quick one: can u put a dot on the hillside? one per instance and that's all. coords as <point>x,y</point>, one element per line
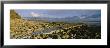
<point>20,27</point>
<point>14,15</point>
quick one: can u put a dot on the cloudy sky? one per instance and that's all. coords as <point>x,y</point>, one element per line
<point>59,13</point>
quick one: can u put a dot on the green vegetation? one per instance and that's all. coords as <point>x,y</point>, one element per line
<point>25,29</point>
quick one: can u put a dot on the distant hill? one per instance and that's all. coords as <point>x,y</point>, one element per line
<point>14,15</point>
<point>74,19</point>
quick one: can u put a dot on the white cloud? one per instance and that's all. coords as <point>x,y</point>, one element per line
<point>35,14</point>
<point>41,15</point>
<point>81,17</point>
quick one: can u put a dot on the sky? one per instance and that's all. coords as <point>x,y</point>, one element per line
<point>59,13</point>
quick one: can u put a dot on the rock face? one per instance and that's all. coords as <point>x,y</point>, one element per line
<point>14,15</point>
